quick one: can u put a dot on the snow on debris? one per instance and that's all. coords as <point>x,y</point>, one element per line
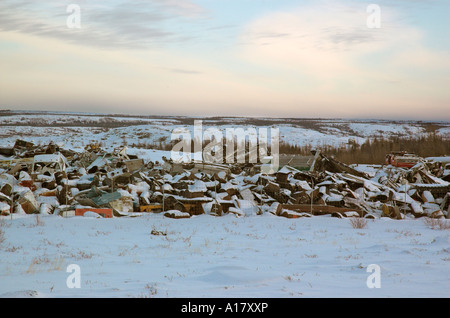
<point>229,230</point>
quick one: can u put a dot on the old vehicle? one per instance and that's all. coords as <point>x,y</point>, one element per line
<point>50,163</point>
<point>402,159</point>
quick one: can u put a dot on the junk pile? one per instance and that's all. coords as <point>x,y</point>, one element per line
<point>51,180</point>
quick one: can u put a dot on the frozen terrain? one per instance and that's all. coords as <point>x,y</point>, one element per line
<point>207,256</point>
<point>74,130</point>
<point>152,256</point>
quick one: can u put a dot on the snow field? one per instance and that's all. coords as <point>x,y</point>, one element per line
<point>205,256</point>
<point>335,132</point>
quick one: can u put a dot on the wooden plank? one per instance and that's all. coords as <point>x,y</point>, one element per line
<point>106,213</point>
<point>317,209</point>
<point>150,208</point>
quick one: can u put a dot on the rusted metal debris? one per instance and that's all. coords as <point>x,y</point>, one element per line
<point>51,180</point>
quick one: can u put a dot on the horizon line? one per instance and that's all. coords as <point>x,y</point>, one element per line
<point>84,113</point>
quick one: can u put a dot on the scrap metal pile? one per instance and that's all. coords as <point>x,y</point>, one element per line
<point>51,180</point>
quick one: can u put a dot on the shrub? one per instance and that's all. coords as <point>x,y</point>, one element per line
<point>441,224</point>
<point>358,223</point>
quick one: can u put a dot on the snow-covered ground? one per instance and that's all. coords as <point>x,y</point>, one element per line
<point>62,129</point>
<point>207,256</point>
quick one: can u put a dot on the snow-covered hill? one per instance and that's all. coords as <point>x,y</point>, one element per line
<point>75,130</point>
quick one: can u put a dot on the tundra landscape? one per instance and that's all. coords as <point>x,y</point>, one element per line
<point>257,246</point>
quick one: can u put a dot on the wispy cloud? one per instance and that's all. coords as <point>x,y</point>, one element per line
<point>330,55</point>
<point>299,58</point>
<point>130,24</point>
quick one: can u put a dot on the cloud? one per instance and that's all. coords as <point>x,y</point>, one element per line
<point>311,33</point>
<point>60,75</point>
<point>318,59</point>
<point>331,59</point>
<point>131,24</point>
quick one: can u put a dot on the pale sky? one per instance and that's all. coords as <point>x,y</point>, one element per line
<point>260,58</point>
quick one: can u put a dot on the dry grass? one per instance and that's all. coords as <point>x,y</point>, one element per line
<point>38,221</point>
<point>2,235</point>
<point>358,223</point>
<point>441,224</point>
<point>3,225</point>
<point>151,291</point>
<point>43,263</point>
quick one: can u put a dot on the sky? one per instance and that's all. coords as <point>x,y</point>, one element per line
<point>257,58</point>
